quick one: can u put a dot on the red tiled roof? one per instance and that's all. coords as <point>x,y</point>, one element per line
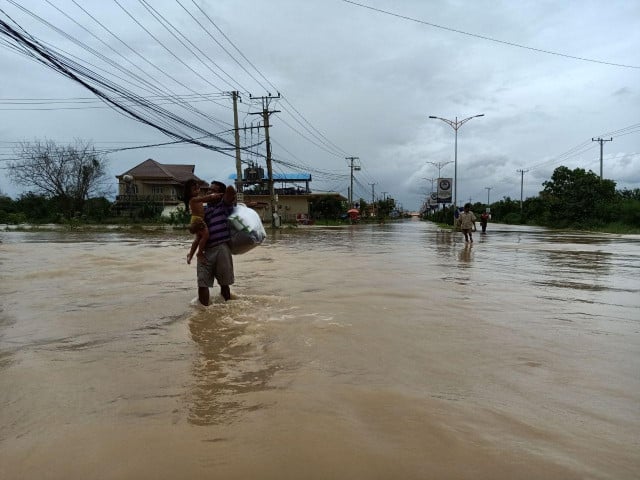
<point>150,169</point>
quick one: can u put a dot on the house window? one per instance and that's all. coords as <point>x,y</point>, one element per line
<point>131,189</point>
<point>156,190</point>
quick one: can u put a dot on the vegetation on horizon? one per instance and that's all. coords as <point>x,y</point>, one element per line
<point>571,199</point>
<point>68,186</point>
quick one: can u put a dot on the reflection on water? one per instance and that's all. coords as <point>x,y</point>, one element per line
<point>230,363</point>
<point>577,261</point>
<point>465,255</point>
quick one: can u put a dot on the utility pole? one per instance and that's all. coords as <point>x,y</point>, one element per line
<point>265,118</point>
<point>373,197</point>
<point>236,129</point>
<point>356,168</point>
<point>522,172</point>
<point>384,194</point>
<point>601,141</point>
<point>488,189</point>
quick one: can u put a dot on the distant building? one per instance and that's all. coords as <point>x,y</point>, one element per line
<point>291,190</point>
<point>152,183</point>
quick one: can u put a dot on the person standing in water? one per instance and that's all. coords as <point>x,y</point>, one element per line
<point>217,263</point>
<point>484,218</point>
<point>467,223</point>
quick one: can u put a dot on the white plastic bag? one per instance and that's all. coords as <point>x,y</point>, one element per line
<point>247,230</point>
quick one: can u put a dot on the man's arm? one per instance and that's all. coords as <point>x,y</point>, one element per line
<point>229,196</point>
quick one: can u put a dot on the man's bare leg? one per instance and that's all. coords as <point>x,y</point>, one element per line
<point>203,295</point>
<point>225,291</point>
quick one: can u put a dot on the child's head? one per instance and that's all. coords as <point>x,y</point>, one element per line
<point>191,188</point>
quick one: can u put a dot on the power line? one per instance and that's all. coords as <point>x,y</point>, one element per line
<point>483,37</point>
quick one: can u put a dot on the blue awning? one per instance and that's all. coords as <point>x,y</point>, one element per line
<point>283,177</point>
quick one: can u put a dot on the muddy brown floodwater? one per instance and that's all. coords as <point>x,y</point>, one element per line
<point>371,351</point>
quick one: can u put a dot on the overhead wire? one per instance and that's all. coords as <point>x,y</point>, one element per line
<point>88,79</point>
<point>153,115</point>
<point>140,82</point>
<point>304,122</point>
<point>484,37</point>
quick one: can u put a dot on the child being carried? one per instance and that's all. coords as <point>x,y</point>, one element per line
<point>194,203</point>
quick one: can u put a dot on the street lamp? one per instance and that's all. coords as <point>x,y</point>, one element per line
<point>456,124</point>
<point>431,192</point>
<point>439,165</point>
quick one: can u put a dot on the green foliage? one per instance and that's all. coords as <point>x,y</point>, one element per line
<point>327,207</point>
<point>97,209</point>
<point>628,212</point>
<point>570,199</point>
<point>578,199</point>
<point>36,208</point>
<point>179,217</point>
<point>384,208</point>
<point>444,216</point>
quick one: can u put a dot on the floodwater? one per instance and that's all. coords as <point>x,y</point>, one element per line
<point>363,352</point>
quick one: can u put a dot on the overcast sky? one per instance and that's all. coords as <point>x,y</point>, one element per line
<point>356,79</point>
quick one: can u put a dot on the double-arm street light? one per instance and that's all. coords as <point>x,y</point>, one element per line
<point>439,165</point>
<point>430,180</point>
<point>456,124</point>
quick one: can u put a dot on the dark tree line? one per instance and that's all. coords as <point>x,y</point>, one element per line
<point>575,199</point>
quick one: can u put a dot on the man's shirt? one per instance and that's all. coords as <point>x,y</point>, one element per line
<point>216,216</point>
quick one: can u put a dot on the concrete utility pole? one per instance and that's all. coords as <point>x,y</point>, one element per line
<point>373,197</point>
<point>522,172</point>
<point>384,194</point>
<point>265,118</point>
<point>356,168</point>
<point>236,129</point>
<point>601,141</point>
<point>488,189</point>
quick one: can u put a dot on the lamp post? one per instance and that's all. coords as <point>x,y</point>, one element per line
<point>439,165</point>
<point>456,124</point>
<point>130,188</point>
<point>431,192</point>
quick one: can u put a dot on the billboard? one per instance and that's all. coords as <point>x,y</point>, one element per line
<point>444,190</point>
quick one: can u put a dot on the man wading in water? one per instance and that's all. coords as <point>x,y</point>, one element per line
<point>217,263</point>
<point>467,222</point>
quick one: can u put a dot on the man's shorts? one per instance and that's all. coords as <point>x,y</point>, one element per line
<point>219,266</point>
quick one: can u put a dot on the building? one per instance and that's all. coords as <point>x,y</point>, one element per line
<point>152,184</point>
<point>293,195</point>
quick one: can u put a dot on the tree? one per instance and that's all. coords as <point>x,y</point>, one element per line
<point>70,174</point>
<point>578,198</point>
<point>326,207</point>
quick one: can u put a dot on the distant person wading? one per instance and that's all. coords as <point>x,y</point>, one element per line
<point>467,223</point>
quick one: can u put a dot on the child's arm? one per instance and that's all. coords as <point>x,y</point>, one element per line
<point>192,250</point>
<point>206,198</point>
